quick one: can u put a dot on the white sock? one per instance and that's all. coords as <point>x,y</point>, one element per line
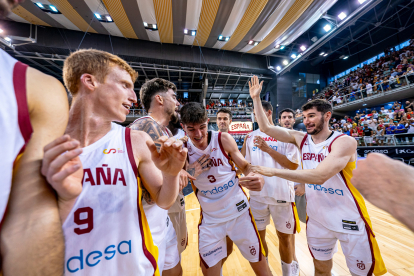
<point>295,268</point>
<point>286,269</point>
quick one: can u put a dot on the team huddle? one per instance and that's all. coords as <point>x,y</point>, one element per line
<point>119,189</point>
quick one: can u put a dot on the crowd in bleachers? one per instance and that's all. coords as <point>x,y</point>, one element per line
<point>394,69</point>
<point>217,104</point>
<point>370,126</point>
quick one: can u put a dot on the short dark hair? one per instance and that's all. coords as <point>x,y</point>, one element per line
<point>320,104</point>
<point>152,87</point>
<point>225,110</point>
<point>267,106</point>
<point>193,113</point>
<point>287,110</point>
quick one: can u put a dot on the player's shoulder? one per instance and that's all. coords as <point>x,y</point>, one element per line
<point>139,137</point>
<point>344,141</point>
<point>146,124</point>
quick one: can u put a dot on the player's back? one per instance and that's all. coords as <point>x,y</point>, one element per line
<point>14,120</point>
<point>106,232</point>
<point>218,191</point>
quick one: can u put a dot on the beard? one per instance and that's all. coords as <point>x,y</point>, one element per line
<point>318,127</point>
<point>174,118</point>
<point>5,7</point>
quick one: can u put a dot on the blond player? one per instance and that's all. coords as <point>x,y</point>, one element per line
<point>33,112</point>
<point>104,223</point>
<point>224,206</point>
<point>277,199</point>
<point>335,209</point>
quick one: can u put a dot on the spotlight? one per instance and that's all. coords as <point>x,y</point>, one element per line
<point>40,5</point>
<point>278,68</point>
<point>346,57</point>
<point>185,31</point>
<point>145,24</point>
<point>1,31</point>
<point>7,38</point>
<point>277,46</point>
<point>220,37</point>
<point>53,8</point>
<point>303,48</point>
<point>154,26</point>
<point>285,62</point>
<point>97,15</point>
<point>364,104</point>
<point>293,56</point>
<point>327,28</point>
<point>255,44</point>
<point>227,38</point>
<point>321,54</point>
<point>108,18</point>
<point>193,33</point>
<point>361,1</point>
<point>325,55</point>
<point>342,15</point>
<point>251,42</point>
<point>282,47</point>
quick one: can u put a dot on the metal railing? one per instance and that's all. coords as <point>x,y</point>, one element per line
<point>137,113</point>
<point>237,111</point>
<point>401,139</point>
<point>377,89</point>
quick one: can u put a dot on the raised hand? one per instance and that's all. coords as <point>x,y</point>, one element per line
<point>171,157</point>
<point>255,87</point>
<point>252,181</point>
<point>62,167</point>
<point>263,170</point>
<point>261,143</point>
<point>198,167</point>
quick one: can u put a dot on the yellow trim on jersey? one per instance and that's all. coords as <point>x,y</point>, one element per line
<point>379,268</point>
<point>257,232</point>
<point>149,243</point>
<point>295,213</point>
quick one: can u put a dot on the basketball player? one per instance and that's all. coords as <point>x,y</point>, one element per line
<point>335,209</point>
<point>159,99</point>
<point>224,206</point>
<point>33,112</point>
<point>277,197</point>
<point>224,119</point>
<point>105,227</point>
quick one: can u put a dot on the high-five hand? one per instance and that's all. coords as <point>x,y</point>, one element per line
<point>252,181</point>
<point>199,166</point>
<point>255,87</point>
<point>171,158</point>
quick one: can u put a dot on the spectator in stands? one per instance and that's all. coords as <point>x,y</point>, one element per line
<point>368,133</point>
<point>408,105</point>
<point>411,126</point>
<point>399,115</point>
<point>224,117</point>
<point>409,113</point>
<point>399,128</point>
<point>379,135</point>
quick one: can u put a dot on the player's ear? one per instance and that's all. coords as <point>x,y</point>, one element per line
<point>89,81</point>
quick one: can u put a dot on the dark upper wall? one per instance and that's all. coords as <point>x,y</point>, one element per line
<point>161,53</point>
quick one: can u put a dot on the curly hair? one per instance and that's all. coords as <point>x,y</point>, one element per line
<point>151,88</point>
<point>94,62</point>
<point>193,113</point>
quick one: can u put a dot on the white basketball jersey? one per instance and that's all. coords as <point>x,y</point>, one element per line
<point>179,203</point>
<point>218,191</point>
<point>15,126</point>
<point>276,190</point>
<point>106,231</point>
<point>335,204</point>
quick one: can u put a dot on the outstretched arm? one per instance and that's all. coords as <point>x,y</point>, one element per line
<point>32,229</point>
<point>282,159</point>
<point>342,151</point>
<point>279,133</point>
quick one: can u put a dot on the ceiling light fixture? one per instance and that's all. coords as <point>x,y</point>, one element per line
<point>185,31</point>
<point>40,5</point>
<point>220,37</point>
<point>193,33</point>
<point>303,48</point>
<point>325,55</point>
<point>285,62</point>
<point>7,38</point>
<point>342,15</point>
<point>1,31</point>
<point>154,26</point>
<point>255,44</point>
<point>282,47</point>
<point>346,57</point>
<point>108,18</point>
<point>251,42</point>
<point>321,54</point>
<point>53,8</point>
<point>293,56</point>
<point>327,28</point>
<point>278,68</point>
<point>227,38</point>
<point>361,1</point>
<point>145,24</point>
<point>97,15</point>
<point>277,46</point>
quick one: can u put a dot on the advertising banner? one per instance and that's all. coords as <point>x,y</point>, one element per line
<point>240,127</point>
<point>405,152</point>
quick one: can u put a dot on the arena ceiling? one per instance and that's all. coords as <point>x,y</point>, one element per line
<point>247,26</point>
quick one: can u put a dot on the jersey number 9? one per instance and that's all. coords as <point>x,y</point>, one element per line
<point>81,221</point>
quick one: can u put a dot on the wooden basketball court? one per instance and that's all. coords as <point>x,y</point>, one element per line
<point>396,243</point>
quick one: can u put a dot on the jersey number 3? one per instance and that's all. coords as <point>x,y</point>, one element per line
<point>82,221</point>
<point>211,178</point>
